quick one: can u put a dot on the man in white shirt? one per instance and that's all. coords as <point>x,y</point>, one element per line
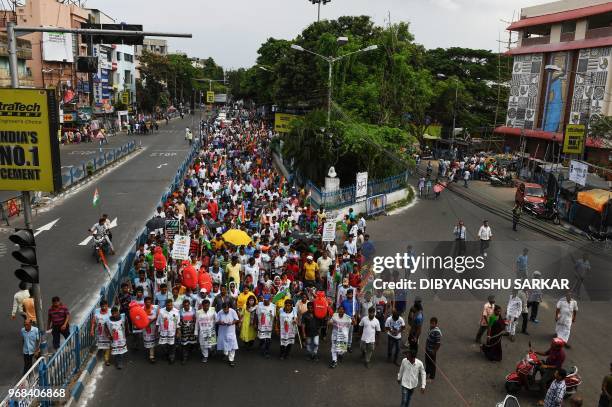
<point>350,245</point>
<point>485,235</point>
<point>369,334</point>
<point>18,298</point>
<point>394,325</point>
<point>466,177</point>
<point>408,376</point>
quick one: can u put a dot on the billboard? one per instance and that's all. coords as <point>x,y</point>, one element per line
<point>556,92</point>
<point>282,122</point>
<point>57,47</point>
<point>573,143</point>
<point>210,97</point>
<point>361,186</point>
<point>29,148</point>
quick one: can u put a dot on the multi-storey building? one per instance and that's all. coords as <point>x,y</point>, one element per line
<point>560,75</point>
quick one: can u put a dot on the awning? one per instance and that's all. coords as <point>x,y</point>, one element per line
<point>561,16</point>
<point>548,135</point>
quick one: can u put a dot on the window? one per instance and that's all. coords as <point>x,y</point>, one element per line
<point>128,57</point>
<point>118,56</point>
<point>600,21</point>
<point>568,27</point>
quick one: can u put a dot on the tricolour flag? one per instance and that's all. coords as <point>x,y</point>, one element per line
<point>96,197</point>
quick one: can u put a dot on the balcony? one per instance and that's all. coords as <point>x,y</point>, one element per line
<point>599,33</point>
<point>541,40</point>
<point>25,81</point>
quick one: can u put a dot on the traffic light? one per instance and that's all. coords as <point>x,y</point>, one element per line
<point>26,255</point>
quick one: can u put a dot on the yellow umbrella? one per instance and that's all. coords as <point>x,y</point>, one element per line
<point>237,237</point>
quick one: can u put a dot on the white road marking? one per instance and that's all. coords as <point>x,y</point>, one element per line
<point>46,227</point>
<point>159,166</point>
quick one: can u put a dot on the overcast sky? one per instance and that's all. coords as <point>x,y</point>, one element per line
<point>231,31</point>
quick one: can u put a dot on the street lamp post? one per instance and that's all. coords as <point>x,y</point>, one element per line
<point>318,2</point>
<point>330,61</point>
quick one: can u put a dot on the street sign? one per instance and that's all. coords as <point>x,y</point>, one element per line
<point>282,122</point>
<point>361,188</point>
<point>29,148</point>
<point>573,143</point>
<point>578,172</point>
<point>210,97</point>
<point>125,98</point>
<point>180,247</point>
<point>329,232</point>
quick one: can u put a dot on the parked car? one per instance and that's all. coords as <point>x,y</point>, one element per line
<point>529,192</point>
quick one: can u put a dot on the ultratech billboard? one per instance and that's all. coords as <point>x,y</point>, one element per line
<point>29,148</point>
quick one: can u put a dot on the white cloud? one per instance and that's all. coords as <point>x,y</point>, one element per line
<point>446,4</point>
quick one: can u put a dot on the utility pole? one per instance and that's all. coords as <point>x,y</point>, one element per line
<point>25,195</point>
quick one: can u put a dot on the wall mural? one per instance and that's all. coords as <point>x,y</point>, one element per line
<point>590,84</point>
<point>556,92</point>
<point>524,90</point>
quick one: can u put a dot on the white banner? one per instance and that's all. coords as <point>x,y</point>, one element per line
<point>57,47</point>
<point>329,232</point>
<point>578,172</point>
<point>180,247</point>
<point>361,188</point>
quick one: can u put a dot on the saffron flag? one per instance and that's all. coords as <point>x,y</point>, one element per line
<point>96,197</point>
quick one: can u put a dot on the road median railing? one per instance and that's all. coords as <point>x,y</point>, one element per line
<point>60,368</point>
<point>71,175</point>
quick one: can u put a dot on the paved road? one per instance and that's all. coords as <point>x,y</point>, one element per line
<point>465,376</point>
<point>130,193</point>
<point>75,154</point>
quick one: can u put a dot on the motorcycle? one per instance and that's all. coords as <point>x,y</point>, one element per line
<point>525,376</point>
<point>100,247</point>
<point>499,181</point>
<point>541,211</point>
<point>603,235</point>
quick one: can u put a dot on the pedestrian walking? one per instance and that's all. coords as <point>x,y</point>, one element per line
<point>415,322</point>
<point>534,298</point>
<point>116,329</point>
<point>522,295</point>
<point>521,264</point>
<point>605,399</point>
<point>265,323</point>
<point>487,311</point>
<point>98,330</point>
<point>565,316</point>
<point>369,335</point>
<point>341,324</point>
<point>582,267</point>
<point>206,318</point>
<point>29,308</point>
<point>227,319</point>
<point>187,329</point>
<point>310,327</point>
<point>394,326</point>
<point>466,177</point>
<point>513,312</point>
<point>556,391</point>
<point>58,321</point>
<point>516,216</point>
<point>434,340</point>
<point>287,325</point>
<point>31,344</point>
<point>18,298</point>
<point>410,373</point>
<point>460,233</point>
<point>421,186</point>
<point>485,234</point>
<point>168,329</point>
<point>496,329</point>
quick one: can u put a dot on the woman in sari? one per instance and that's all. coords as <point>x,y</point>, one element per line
<point>497,328</point>
<point>248,329</point>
